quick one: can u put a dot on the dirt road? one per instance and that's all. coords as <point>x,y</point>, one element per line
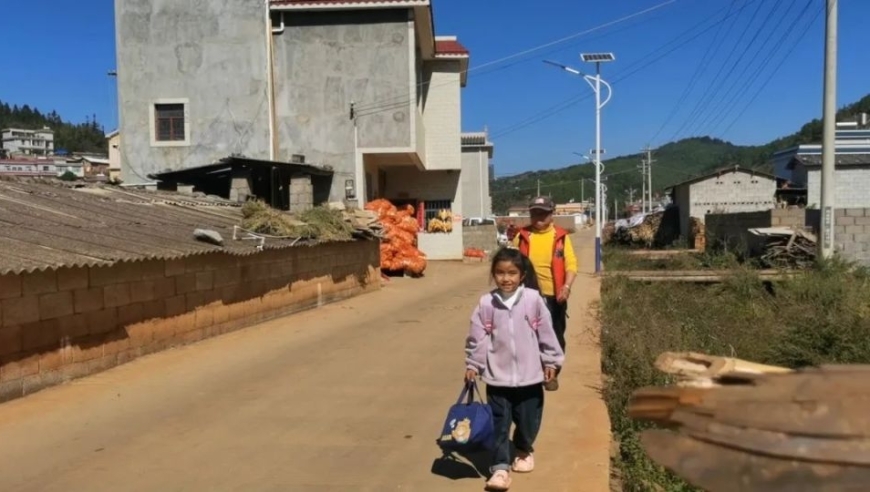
<point>350,395</point>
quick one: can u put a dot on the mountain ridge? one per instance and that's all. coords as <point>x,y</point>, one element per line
<point>673,162</point>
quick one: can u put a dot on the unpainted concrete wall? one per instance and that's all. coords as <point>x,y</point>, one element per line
<point>324,61</point>
<point>481,237</point>
<point>59,325</point>
<point>211,54</point>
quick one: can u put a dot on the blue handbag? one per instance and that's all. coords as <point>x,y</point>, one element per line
<point>469,425</point>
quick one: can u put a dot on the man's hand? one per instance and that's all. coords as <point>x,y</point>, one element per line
<point>549,374</point>
<point>564,293</point>
<point>470,375</point>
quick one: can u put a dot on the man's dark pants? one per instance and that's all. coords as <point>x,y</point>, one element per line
<point>559,313</point>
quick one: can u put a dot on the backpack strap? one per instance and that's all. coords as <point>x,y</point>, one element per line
<point>487,312</point>
<point>535,321</point>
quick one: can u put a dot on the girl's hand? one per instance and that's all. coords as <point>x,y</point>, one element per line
<point>549,374</point>
<point>470,375</point>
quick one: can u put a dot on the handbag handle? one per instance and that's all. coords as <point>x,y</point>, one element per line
<point>468,391</point>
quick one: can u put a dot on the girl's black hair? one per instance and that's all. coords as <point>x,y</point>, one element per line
<point>519,260</point>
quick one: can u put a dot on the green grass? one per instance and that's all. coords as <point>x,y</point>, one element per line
<point>821,317</point>
<point>618,258</point>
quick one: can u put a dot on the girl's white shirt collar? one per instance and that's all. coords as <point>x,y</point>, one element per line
<point>510,300</point>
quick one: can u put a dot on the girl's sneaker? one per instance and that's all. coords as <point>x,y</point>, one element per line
<point>524,463</point>
<point>500,481</point>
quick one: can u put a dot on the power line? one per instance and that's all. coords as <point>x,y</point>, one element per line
<point>566,104</point>
<point>775,70</point>
<point>699,70</point>
<point>371,105</point>
<point>704,101</point>
<point>717,109</point>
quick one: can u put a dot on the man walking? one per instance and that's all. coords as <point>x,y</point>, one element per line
<point>550,251</point>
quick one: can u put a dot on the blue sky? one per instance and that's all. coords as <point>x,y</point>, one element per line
<point>63,66</point>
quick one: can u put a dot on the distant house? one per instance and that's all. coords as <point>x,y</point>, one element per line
<point>723,191</point>
<point>16,141</point>
<point>802,166</point>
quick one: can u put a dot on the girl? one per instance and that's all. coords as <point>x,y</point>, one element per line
<point>514,349</point>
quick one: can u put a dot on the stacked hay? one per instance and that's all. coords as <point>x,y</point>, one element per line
<point>319,223</point>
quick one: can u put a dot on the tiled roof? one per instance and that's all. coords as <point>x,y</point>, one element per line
<point>815,160</point>
<point>450,47</point>
<point>48,226</point>
<point>475,139</point>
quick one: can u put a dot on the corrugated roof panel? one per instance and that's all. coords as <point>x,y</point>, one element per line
<point>51,226</point>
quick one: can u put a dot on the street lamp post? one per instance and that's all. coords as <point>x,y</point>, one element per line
<point>595,82</point>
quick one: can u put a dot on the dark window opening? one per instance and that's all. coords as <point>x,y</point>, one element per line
<point>169,121</point>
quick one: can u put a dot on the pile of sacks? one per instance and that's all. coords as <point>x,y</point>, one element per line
<point>399,245</point>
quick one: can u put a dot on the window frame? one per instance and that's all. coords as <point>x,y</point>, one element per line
<point>185,103</point>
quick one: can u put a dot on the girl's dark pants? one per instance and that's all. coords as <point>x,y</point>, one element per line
<point>522,406</point>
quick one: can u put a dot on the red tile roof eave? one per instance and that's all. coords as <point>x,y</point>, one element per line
<point>450,47</point>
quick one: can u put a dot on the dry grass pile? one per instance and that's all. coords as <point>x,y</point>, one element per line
<point>320,223</point>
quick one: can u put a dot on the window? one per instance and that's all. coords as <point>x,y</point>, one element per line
<point>432,208</point>
<point>169,122</point>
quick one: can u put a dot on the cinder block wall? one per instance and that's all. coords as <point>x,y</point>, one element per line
<point>731,231</point>
<point>59,325</point>
<point>851,229</point>
<point>852,234</point>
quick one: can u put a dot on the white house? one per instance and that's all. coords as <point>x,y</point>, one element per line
<point>16,141</point>
<point>802,165</point>
<point>728,190</point>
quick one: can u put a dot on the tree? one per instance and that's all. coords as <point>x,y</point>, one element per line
<point>68,176</point>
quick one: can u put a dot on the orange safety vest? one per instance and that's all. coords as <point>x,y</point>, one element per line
<point>558,262</point>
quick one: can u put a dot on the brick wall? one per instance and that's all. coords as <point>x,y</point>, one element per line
<point>482,237</point>
<point>65,324</point>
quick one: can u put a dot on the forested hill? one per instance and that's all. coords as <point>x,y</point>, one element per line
<point>674,162</point>
<point>81,137</point>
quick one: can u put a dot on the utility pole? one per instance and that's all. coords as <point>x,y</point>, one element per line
<point>648,179</point>
<point>582,191</point>
<point>539,188</point>
<point>631,195</point>
<point>643,185</point>
<point>829,125</point>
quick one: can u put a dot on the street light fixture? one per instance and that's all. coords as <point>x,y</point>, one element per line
<point>595,82</point>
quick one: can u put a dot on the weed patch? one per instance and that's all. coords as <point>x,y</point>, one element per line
<point>821,317</point>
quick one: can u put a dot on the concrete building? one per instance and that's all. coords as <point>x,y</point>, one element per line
<point>802,166</point>
<point>114,141</point>
<point>724,191</point>
<point>477,153</point>
<point>16,141</point>
<point>363,87</point>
